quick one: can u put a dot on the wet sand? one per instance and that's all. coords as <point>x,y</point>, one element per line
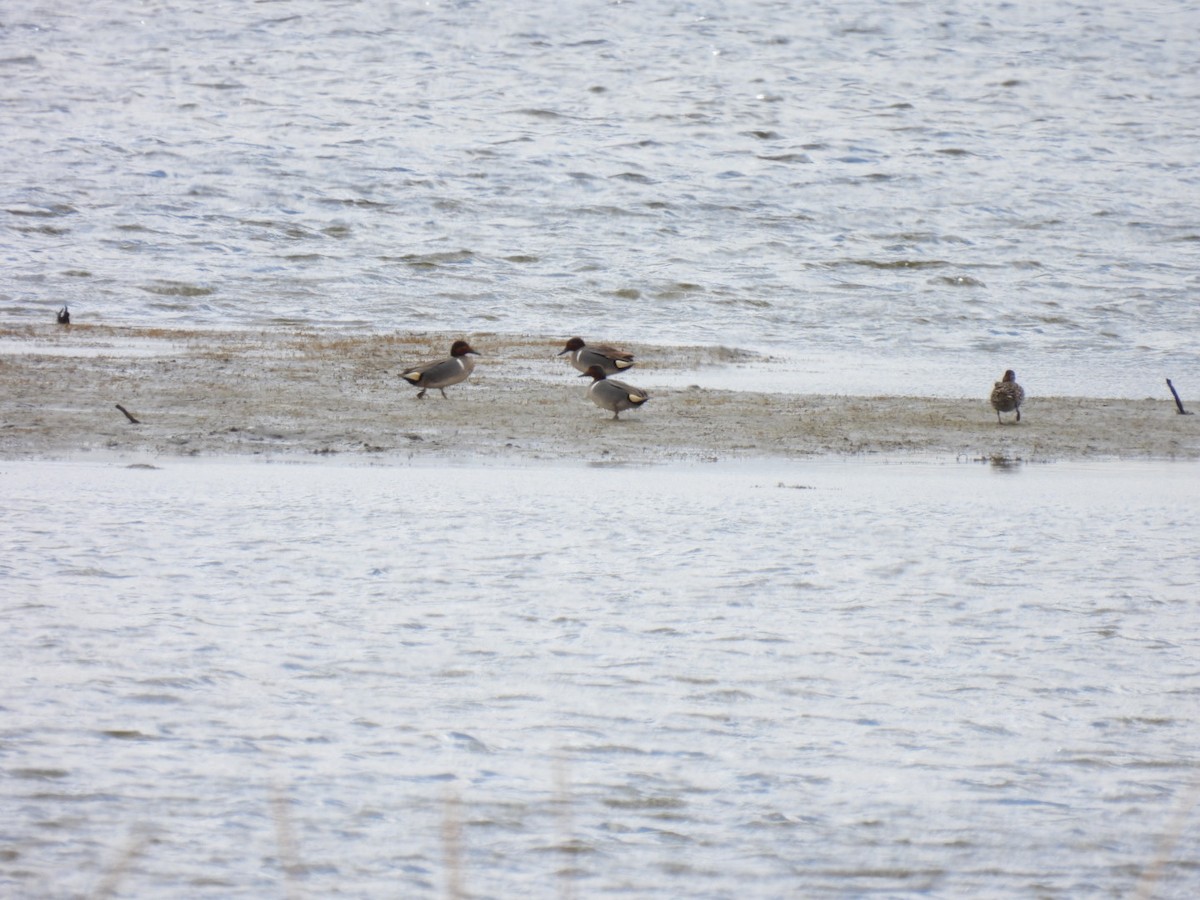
<point>299,394</point>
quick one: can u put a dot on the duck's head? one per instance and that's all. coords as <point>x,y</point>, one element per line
<point>573,344</point>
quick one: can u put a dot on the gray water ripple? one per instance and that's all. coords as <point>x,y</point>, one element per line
<point>967,127</point>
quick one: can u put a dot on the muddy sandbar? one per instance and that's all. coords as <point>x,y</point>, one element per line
<point>223,393</point>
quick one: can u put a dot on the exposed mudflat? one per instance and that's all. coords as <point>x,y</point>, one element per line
<point>293,393</point>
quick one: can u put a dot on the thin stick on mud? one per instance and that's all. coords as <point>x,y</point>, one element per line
<point>130,417</point>
<point>1178,402</point>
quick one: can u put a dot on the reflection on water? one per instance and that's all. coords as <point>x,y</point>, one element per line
<point>751,680</point>
<point>1001,463</point>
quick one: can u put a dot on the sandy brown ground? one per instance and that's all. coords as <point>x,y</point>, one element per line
<point>209,394</point>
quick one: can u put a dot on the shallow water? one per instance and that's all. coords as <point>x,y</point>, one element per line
<point>755,680</point>
<point>888,198</point>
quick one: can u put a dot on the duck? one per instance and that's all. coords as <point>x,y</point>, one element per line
<point>64,316</point>
<point>442,373</point>
<point>613,395</point>
<point>1007,396</point>
<point>584,357</point>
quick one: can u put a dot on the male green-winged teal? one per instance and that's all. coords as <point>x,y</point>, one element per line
<point>442,373</point>
<point>584,357</point>
<point>614,395</point>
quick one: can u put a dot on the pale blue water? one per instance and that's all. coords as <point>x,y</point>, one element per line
<point>884,197</point>
<point>728,680</point>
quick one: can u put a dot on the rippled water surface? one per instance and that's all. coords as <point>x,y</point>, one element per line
<point>941,191</point>
<point>729,680</point>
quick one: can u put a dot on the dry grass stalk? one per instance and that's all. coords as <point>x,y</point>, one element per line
<point>111,882</point>
<point>1153,873</point>
<point>452,846</point>
<point>285,841</point>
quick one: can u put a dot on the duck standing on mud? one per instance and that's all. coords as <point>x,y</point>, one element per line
<point>1007,396</point>
<point>613,395</point>
<point>442,373</point>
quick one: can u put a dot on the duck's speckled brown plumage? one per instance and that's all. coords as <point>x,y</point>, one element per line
<point>1007,395</point>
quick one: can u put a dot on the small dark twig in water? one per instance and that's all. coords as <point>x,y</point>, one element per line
<point>1178,402</point>
<point>128,414</point>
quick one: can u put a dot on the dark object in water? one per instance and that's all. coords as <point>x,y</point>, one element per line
<point>64,316</point>
<point>1178,402</point>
